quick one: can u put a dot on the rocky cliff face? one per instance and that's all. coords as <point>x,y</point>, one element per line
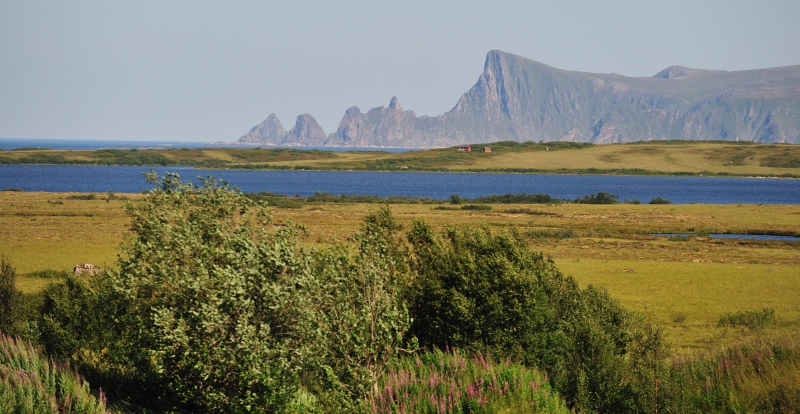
<point>518,99</point>
<point>306,131</point>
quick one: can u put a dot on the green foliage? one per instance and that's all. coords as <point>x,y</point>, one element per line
<point>88,196</point>
<point>436,382</point>
<point>32,383</point>
<point>659,200</point>
<point>476,207</point>
<point>10,299</point>
<point>67,322</point>
<point>212,305</point>
<point>521,198</point>
<point>455,199</point>
<point>482,291</point>
<point>131,157</point>
<point>49,274</point>
<point>753,319</point>
<point>599,198</point>
<point>361,311</point>
<point>319,197</point>
<point>13,189</point>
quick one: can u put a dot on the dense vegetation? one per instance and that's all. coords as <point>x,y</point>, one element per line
<point>213,307</point>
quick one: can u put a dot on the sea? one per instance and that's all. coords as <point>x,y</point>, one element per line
<point>8,144</point>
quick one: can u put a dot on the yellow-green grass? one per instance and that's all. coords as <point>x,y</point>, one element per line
<point>702,278</point>
<point>747,159</point>
<point>698,292</point>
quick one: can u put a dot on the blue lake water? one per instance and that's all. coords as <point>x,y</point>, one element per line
<point>679,190</point>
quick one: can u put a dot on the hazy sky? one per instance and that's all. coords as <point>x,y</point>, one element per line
<point>209,71</point>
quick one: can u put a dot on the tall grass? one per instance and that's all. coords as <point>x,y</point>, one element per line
<point>448,382</point>
<point>757,376</point>
<point>32,383</point>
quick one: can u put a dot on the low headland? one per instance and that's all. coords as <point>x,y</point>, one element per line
<point>683,158</point>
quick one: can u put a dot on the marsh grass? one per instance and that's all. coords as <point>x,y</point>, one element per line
<point>754,376</point>
<point>449,382</point>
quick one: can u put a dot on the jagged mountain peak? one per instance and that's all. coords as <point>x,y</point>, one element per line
<point>519,99</point>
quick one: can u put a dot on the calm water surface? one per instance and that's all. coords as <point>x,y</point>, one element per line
<point>680,190</point>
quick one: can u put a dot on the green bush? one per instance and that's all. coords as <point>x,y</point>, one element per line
<point>753,319</point>
<point>67,321</point>
<point>50,274</point>
<point>10,299</point>
<point>477,290</point>
<point>659,200</point>
<point>213,306</point>
<point>33,383</point>
<point>361,311</point>
<point>599,198</point>
<point>476,207</point>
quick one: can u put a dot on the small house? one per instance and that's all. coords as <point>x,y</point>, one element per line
<point>464,148</point>
<point>487,149</point>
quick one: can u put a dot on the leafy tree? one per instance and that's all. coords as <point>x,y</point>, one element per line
<point>10,298</point>
<point>362,310</point>
<point>211,302</point>
<point>67,321</point>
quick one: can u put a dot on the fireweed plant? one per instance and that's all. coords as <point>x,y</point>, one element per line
<point>449,382</point>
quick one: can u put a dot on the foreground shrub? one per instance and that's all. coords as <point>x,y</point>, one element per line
<point>32,383</point>
<point>477,290</point>
<point>212,306</point>
<point>438,382</point>
<point>360,309</point>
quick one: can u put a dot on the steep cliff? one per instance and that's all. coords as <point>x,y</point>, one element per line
<point>518,99</point>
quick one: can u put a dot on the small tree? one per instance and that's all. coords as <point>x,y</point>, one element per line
<point>213,303</point>
<point>10,298</point>
<point>361,310</point>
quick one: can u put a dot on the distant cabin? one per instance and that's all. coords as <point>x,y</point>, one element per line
<point>464,148</point>
<point>487,149</point>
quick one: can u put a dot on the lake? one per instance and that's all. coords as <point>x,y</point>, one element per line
<point>680,190</point>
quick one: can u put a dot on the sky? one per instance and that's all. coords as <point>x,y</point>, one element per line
<point>209,71</point>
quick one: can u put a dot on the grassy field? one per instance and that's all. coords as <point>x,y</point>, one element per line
<point>686,283</point>
<point>654,157</point>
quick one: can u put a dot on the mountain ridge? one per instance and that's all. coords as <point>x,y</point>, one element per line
<point>519,99</point>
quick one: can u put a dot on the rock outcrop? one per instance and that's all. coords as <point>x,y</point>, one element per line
<point>518,99</point>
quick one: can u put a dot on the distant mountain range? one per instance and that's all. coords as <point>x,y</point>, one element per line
<point>518,99</point>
